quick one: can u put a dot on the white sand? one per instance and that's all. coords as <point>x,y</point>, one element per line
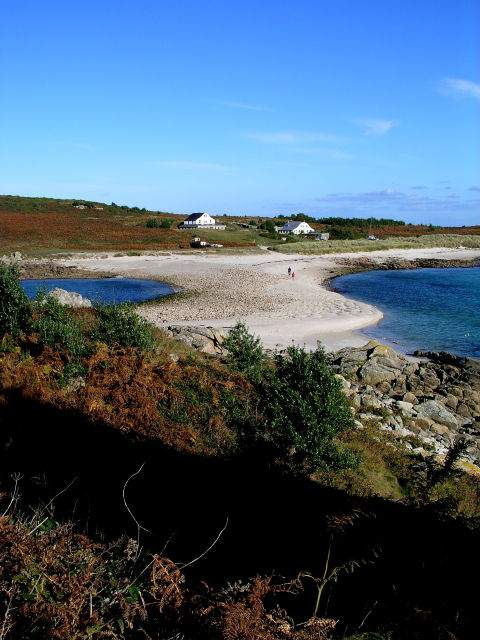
<point>255,288</point>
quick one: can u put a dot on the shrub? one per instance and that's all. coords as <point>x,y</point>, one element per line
<point>56,327</point>
<point>15,308</point>
<point>293,238</point>
<point>152,224</point>
<point>121,325</point>
<point>305,409</point>
<point>344,233</point>
<point>245,353</point>
<point>166,223</point>
<point>268,225</point>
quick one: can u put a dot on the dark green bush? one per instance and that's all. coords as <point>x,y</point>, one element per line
<point>344,233</point>
<point>121,325</point>
<point>245,353</point>
<point>305,409</point>
<point>268,225</point>
<point>152,224</point>
<point>15,308</point>
<point>293,238</point>
<point>166,223</point>
<point>57,327</point>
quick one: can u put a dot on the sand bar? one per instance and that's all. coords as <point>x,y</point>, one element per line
<point>255,287</point>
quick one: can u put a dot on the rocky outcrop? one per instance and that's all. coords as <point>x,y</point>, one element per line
<point>436,401</point>
<point>204,339</point>
<point>40,270</point>
<point>402,263</point>
<point>69,298</point>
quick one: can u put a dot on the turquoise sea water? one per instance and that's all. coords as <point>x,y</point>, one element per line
<point>431,309</point>
<point>109,290</point>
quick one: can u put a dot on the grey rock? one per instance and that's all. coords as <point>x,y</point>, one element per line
<point>204,339</point>
<point>375,372</point>
<point>410,397</point>
<point>371,402</point>
<point>437,412</point>
<point>401,404</point>
<point>68,298</point>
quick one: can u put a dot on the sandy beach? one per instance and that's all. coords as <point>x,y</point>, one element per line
<point>256,288</point>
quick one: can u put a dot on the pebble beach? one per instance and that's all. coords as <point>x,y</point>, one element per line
<point>255,288</point>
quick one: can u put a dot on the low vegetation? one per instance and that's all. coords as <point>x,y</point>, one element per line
<point>350,246</point>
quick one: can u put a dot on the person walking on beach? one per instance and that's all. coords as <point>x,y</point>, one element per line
<point>289,271</point>
<point>293,275</point>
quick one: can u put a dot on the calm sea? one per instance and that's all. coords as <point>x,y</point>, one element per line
<point>430,309</point>
<point>109,290</point>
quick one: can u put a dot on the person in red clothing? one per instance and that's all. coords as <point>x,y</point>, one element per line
<point>293,275</point>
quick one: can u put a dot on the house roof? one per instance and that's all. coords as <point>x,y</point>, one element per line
<point>195,216</point>
<point>290,226</point>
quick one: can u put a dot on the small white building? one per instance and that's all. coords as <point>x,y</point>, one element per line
<point>200,221</point>
<point>296,228</point>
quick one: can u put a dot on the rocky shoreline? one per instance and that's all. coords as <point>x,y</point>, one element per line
<point>433,403</point>
<point>403,263</point>
<point>47,270</point>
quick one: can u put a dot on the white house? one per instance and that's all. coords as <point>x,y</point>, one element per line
<point>200,221</point>
<point>296,228</point>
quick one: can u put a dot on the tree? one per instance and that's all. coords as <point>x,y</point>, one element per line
<point>305,409</point>
<point>268,225</point>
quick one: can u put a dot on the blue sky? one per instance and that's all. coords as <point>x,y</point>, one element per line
<point>327,107</point>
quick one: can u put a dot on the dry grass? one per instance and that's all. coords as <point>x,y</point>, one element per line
<point>352,246</point>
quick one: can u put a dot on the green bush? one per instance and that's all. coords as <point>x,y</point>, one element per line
<point>245,353</point>
<point>166,223</point>
<point>152,224</point>
<point>268,225</point>
<point>345,233</point>
<point>119,324</point>
<point>57,328</point>
<point>305,409</point>
<point>293,238</point>
<point>15,308</point>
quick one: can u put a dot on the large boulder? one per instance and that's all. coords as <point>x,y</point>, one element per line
<point>437,412</point>
<point>204,339</point>
<point>378,369</point>
<point>69,298</point>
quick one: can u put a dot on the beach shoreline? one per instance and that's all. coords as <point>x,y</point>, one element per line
<point>256,288</point>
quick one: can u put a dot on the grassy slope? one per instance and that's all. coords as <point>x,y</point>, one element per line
<point>44,226</point>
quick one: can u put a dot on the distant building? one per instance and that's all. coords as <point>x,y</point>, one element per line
<point>322,236</point>
<point>200,221</point>
<point>296,228</point>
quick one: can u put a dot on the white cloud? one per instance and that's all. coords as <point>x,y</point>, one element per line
<point>476,188</point>
<point>180,164</point>
<point>457,87</point>
<point>375,127</point>
<point>453,195</point>
<point>420,186</point>
<point>241,105</point>
<point>385,192</point>
<point>294,138</point>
